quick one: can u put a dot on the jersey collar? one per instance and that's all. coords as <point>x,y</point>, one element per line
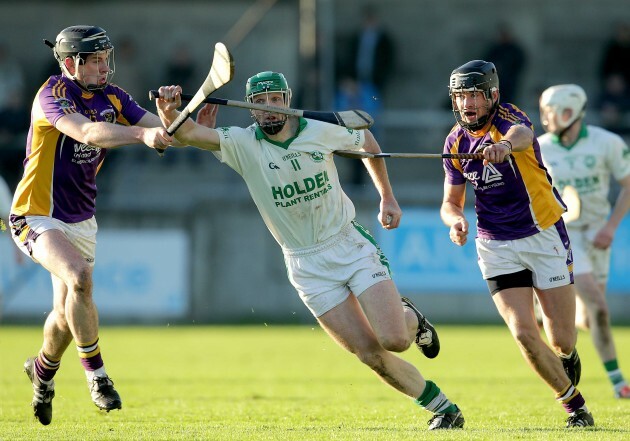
<point>285,145</point>
<point>583,134</point>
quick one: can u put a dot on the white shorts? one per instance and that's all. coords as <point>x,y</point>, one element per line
<point>544,254</point>
<point>587,258</point>
<point>26,229</point>
<point>324,275</point>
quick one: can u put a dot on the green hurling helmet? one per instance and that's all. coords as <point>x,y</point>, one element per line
<point>268,82</point>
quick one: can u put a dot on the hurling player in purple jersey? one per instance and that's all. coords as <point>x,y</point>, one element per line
<point>76,116</point>
<point>522,243</point>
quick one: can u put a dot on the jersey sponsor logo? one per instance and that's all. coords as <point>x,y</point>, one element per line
<point>491,174</point>
<point>489,177</point>
<point>557,278</point>
<point>296,164</point>
<point>304,191</point>
<point>85,153</point>
<point>379,274</point>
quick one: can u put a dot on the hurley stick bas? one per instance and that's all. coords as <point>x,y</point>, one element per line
<point>352,119</point>
<point>221,73</point>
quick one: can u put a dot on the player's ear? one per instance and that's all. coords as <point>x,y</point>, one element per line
<point>69,63</point>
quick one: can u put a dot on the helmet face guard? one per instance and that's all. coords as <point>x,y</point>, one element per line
<point>566,103</point>
<point>265,83</point>
<point>474,76</point>
<point>77,42</point>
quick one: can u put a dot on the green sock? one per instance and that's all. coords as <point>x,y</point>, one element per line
<point>613,371</point>
<point>433,400</point>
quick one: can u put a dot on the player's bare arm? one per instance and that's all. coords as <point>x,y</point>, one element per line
<point>517,139</point>
<point>151,120</point>
<point>452,212</point>
<point>604,237</point>
<point>107,135</point>
<point>190,133</point>
<point>390,212</point>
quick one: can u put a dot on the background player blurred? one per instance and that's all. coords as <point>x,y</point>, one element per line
<point>522,243</point>
<point>332,261</point>
<point>76,116</point>
<point>584,157</point>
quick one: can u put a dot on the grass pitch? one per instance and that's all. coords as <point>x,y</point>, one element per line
<point>294,383</point>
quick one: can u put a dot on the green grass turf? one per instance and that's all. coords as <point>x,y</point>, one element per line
<point>294,383</point>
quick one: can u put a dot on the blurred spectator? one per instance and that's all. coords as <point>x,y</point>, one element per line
<point>11,76</point>
<point>616,57</point>
<point>614,104</point>
<point>129,71</point>
<point>181,69</point>
<point>365,66</point>
<point>14,117</point>
<point>510,59</point>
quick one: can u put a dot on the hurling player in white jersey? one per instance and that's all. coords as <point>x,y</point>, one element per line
<point>581,160</point>
<point>332,261</point>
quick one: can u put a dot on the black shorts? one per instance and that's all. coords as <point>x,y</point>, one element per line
<point>521,279</point>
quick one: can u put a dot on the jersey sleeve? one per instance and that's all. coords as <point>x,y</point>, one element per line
<point>232,140</point>
<point>128,110</point>
<point>54,101</point>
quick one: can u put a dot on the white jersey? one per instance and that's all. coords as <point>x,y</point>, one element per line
<point>294,184</point>
<point>587,165</point>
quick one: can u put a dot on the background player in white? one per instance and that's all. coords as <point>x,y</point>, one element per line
<point>584,157</point>
<point>76,116</point>
<point>332,261</point>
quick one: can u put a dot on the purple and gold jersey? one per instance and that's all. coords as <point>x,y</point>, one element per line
<point>514,199</point>
<point>59,172</point>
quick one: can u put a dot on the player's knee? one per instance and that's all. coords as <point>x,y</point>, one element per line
<point>372,357</point>
<point>601,316</point>
<point>80,281</point>
<point>395,343</point>
<point>527,338</point>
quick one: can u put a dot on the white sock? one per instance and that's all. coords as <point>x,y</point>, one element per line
<point>100,372</point>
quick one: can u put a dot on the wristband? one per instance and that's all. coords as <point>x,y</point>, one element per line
<point>506,143</point>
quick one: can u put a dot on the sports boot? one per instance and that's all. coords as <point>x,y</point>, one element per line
<point>42,394</point>
<point>453,420</point>
<point>104,395</point>
<point>580,418</point>
<point>426,337</point>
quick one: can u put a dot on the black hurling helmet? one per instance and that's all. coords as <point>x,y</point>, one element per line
<point>476,75</point>
<point>77,42</point>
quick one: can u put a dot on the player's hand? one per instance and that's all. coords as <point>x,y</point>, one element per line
<point>495,153</point>
<point>459,232</point>
<point>604,237</point>
<point>390,214</point>
<point>207,115</point>
<point>157,138</point>
<point>170,98</point>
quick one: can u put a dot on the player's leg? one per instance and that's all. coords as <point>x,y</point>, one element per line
<point>581,315</point>
<point>592,295</point>
<point>73,278</point>
<point>349,327</point>
<point>516,307</point>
